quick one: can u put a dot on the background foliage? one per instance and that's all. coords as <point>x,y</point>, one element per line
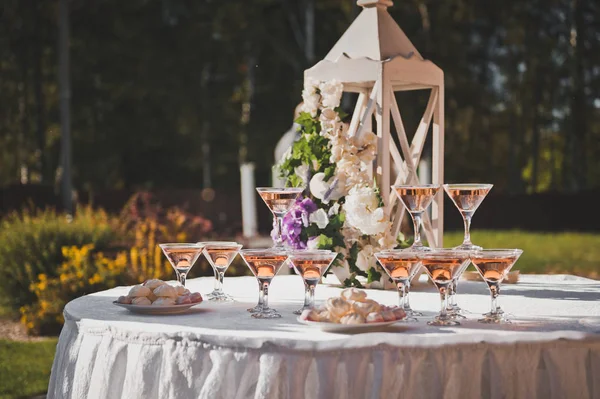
<point>45,262</point>
<point>159,84</point>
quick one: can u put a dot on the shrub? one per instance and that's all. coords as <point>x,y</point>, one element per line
<point>31,245</point>
<point>85,267</point>
<point>46,261</point>
<point>86,270</point>
<point>81,272</point>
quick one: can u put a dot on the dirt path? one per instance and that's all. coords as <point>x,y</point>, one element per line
<point>13,330</point>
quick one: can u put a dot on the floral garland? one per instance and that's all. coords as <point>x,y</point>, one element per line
<point>342,209</point>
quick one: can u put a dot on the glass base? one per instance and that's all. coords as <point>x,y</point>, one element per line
<point>302,309</point>
<point>494,318</point>
<point>418,247</point>
<point>468,247</point>
<point>446,321</point>
<point>409,319</point>
<point>219,296</point>
<point>457,313</point>
<point>492,314</point>
<point>255,309</point>
<point>267,313</point>
<point>412,313</point>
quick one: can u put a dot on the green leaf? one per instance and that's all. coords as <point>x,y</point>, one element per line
<point>341,113</point>
<point>329,172</point>
<point>354,252</point>
<point>373,275</point>
<point>324,242</point>
<point>352,282</point>
<point>336,222</point>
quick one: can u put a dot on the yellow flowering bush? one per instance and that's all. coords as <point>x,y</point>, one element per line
<point>132,257</point>
<point>31,245</point>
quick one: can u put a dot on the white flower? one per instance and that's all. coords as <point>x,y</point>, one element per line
<point>320,218</point>
<point>334,210</point>
<point>336,153</point>
<point>332,93</point>
<point>311,85</point>
<point>363,211</point>
<point>367,155</point>
<point>351,235</point>
<point>302,172</point>
<point>329,119</point>
<point>365,259</point>
<point>365,139</point>
<point>386,241</point>
<point>311,103</point>
<point>320,188</point>
<point>312,243</point>
<point>341,250</point>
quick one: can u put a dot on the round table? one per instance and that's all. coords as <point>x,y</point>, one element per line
<point>552,350</point>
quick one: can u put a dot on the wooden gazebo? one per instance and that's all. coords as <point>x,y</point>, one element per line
<point>375,59</point>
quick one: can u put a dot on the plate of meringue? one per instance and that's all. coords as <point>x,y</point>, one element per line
<point>352,310</point>
<point>158,297</point>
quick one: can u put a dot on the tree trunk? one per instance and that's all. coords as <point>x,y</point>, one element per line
<point>309,33</point>
<point>578,105</point>
<point>535,129</point>
<point>65,103</point>
<point>38,83</point>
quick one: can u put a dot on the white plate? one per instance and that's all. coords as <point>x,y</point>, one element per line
<point>143,309</point>
<point>332,327</point>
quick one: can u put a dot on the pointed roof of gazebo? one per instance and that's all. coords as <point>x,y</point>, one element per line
<point>374,34</point>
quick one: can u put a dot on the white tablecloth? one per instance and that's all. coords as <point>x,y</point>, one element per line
<point>219,351</point>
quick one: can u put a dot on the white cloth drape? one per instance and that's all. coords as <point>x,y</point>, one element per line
<point>217,351</point>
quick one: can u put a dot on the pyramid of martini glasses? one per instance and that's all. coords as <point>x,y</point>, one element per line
<point>444,266</point>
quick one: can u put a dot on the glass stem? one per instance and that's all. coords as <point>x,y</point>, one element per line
<point>444,298</point>
<point>417,220</point>
<point>306,296</point>
<point>260,295</point>
<point>406,295</point>
<point>311,295</point>
<point>467,220</point>
<point>216,280</point>
<point>220,278</point>
<point>265,294</point>
<point>494,292</point>
<point>279,239</point>
<point>182,277</point>
<point>401,285</point>
<point>452,298</point>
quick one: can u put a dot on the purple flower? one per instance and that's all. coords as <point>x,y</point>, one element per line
<point>294,221</point>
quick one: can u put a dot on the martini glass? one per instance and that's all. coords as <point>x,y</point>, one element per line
<point>401,266</point>
<point>182,257</point>
<point>467,198</point>
<point>220,254</point>
<point>311,265</point>
<point>264,264</point>
<point>453,309</point>
<point>443,266</point>
<point>493,265</point>
<point>416,200</point>
<point>279,201</point>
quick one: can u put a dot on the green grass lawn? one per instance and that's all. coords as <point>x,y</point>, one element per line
<point>25,367</point>
<point>564,253</point>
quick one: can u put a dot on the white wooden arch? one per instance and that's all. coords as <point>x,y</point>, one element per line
<point>375,59</point>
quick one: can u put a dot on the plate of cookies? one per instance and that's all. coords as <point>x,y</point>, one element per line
<point>352,310</point>
<point>158,297</point>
